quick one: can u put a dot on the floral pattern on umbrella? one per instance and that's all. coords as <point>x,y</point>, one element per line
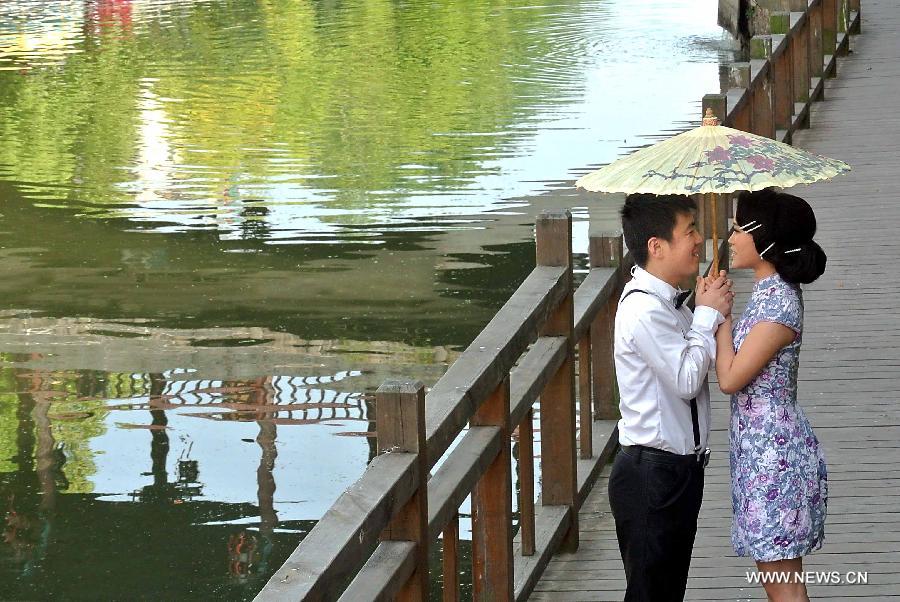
<point>736,164</point>
<point>712,159</point>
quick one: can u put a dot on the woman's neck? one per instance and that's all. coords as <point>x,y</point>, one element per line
<point>763,270</point>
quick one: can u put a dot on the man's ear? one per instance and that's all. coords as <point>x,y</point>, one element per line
<point>654,247</point>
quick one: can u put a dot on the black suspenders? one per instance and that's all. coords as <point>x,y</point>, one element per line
<point>695,421</point>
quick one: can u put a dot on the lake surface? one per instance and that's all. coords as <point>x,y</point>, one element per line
<point>224,223</point>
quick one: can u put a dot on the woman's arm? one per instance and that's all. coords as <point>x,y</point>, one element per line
<point>764,340</point>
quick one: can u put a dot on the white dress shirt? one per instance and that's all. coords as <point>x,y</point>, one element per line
<point>662,358</point>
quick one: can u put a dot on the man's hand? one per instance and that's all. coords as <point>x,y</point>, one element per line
<point>716,293</point>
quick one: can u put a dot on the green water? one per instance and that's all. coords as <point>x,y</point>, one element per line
<point>224,223</point>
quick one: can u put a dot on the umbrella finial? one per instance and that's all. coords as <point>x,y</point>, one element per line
<point>710,117</point>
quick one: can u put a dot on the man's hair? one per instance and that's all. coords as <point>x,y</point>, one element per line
<point>645,216</point>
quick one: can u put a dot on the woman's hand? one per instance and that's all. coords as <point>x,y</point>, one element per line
<point>715,292</point>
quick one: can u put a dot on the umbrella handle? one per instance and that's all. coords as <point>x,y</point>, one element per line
<point>715,234</point>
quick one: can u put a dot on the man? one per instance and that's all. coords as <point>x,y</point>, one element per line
<point>662,353</point>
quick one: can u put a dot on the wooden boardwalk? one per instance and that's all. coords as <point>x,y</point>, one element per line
<point>850,363</point>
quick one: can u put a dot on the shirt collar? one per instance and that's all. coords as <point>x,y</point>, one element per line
<point>650,283</point>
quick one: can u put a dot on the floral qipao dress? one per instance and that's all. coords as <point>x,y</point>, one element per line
<point>779,483</point>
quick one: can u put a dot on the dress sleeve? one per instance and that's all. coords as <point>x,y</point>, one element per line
<point>782,305</point>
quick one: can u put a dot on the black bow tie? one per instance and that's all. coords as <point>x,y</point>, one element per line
<point>681,297</point>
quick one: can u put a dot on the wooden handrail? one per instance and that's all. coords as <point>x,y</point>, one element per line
<point>376,536</point>
<point>477,372</point>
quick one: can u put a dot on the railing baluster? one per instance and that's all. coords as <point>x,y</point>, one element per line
<point>451,560</point>
<point>586,414</point>
<point>526,483</point>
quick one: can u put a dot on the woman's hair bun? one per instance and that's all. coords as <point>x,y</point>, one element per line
<point>802,266</point>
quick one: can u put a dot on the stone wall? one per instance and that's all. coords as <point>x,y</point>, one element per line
<point>729,11</point>
<point>747,18</point>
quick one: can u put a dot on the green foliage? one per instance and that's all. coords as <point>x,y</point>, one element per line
<point>268,98</point>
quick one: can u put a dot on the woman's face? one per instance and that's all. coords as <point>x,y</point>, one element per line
<point>743,251</point>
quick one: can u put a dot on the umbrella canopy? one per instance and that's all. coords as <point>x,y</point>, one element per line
<point>712,158</point>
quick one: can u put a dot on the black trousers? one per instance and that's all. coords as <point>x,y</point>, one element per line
<point>655,498</point>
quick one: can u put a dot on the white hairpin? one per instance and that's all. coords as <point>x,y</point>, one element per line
<point>767,249</point>
<point>792,250</point>
<point>746,227</point>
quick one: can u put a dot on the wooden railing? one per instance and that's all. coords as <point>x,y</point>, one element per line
<point>549,344</point>
<point>373,543</point>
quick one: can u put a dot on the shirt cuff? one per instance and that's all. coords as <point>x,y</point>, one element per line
<point>707,317</point>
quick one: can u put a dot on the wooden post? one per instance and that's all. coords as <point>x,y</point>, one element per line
<point>782,74</point>
<point>739,77</point>
<point>816,48</point>
<point>492,549</point>
<point>558,455</point>
<point>585,412</point>
<point>400,416</point>
<point>605,251</point>
<point>854,7</point>
<point>800,54</point>
<point>450,561</point>
<point>526,483</point>
<point>843,22</point>
<point>762,121</point>
<point>719,105</point>
<point>829,27</point>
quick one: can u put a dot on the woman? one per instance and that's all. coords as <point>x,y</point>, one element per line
<point>779,482</point>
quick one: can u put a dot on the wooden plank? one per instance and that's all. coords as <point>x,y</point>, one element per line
<point>384,574</point>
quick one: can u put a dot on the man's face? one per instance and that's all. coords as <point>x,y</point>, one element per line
<point>681,256</point>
